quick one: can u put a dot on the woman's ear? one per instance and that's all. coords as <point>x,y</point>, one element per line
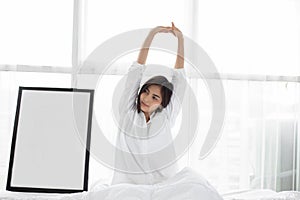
<point>160,107</point>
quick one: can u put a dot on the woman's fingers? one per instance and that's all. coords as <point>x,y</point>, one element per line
<point>167,29</point>
<point>175,28</point>
<point>176,32</point>
<point>173,25</point>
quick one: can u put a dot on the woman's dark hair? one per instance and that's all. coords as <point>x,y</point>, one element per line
<point>166,90</point>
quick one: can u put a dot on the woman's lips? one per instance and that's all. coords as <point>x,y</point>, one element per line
<point>144,104</point>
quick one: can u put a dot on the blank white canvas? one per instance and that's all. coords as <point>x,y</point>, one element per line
<point>49,152</point>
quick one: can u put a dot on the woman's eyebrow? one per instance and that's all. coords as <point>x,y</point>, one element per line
<point>156,95</point>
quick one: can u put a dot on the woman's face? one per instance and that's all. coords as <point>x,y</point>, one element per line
<point>151,99</point>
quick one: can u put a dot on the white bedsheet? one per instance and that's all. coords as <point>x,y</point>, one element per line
<point>185,185</point>
<point>263,195</point>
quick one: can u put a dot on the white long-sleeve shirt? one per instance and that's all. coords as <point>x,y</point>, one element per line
<point>139,142</point>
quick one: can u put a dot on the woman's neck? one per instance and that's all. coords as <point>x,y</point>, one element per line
<point>147,116</point>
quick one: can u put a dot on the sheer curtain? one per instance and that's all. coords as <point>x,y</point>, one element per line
<point>257,53</point>
<point>259,144</point>
<point>31,34</point>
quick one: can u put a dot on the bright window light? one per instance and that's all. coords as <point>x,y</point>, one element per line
<point>251,37</point>
<point>36,32</point>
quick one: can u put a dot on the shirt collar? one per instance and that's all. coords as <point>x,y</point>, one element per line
<point>151,116</point>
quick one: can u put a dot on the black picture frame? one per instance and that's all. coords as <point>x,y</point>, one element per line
<point>27,188</point>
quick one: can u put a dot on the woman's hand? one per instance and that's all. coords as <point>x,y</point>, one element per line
<point>180,50</point>
<point>167,29</point>
<point>176,32</point>
<point>163,29</point>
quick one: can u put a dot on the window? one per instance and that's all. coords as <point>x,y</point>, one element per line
<point>36,32</point>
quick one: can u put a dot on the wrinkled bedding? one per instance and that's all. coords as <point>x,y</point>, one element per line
<point>185,185</point>
<point>263,195</point>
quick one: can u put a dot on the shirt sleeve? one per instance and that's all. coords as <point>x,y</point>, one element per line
<point>179,88</point>
<point>132,84</point>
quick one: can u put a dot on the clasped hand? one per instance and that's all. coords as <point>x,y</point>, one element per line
<point>167,29</point>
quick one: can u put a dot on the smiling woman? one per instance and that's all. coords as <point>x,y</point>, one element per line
<point>154,94</point>
<point>149,115</point>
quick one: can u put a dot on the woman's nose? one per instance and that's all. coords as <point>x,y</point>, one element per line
<point>147,99</point>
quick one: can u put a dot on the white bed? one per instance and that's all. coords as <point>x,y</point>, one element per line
<point>186,185</point>
<point>262,195</point>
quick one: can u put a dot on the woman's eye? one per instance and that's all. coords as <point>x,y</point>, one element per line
<point>154,98</point>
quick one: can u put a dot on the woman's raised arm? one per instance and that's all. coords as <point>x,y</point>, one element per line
<point>146,45</point>
<point>180,49</point>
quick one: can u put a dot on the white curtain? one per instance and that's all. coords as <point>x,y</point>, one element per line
<point>31,34</point>
<point>259,145</point>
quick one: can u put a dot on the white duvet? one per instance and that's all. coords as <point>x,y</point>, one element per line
<point>185,185</point>
<point>263,195</point>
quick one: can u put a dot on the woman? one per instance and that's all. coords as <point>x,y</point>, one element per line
<point>147,116</point>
